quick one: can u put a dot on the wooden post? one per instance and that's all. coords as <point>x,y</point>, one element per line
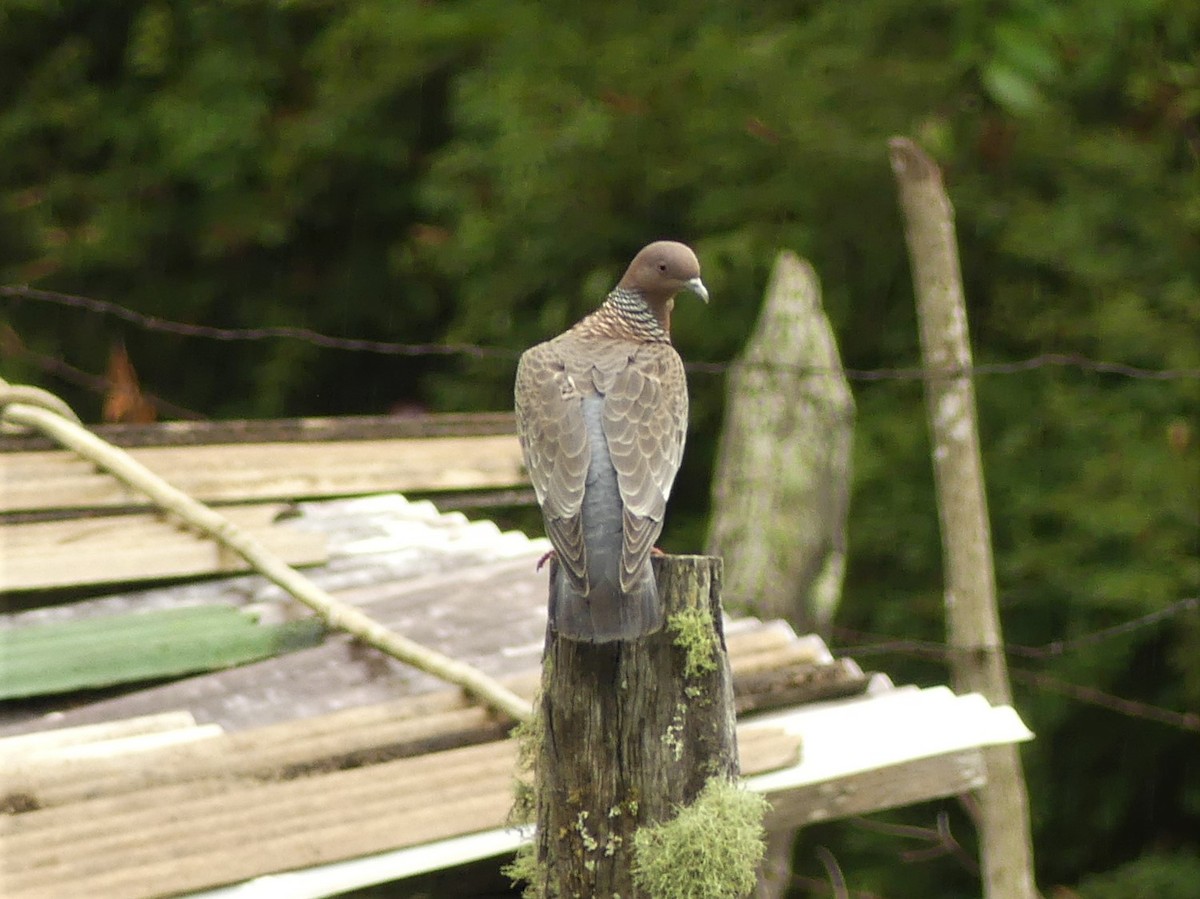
<point>630,733</point>
<point>977,659</point>
<point>781,487</point>
<point>782,480</point>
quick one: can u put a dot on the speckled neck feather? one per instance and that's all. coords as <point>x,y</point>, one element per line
<point>626,315</point>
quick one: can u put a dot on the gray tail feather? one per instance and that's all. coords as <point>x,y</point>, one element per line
<point>604,614</point>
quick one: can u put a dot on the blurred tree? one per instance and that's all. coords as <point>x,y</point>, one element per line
<point>236,164</point>
<point>478,171</point>
<point>1162,875</point>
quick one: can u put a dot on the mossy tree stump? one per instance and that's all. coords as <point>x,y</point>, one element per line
<point>631,733</point>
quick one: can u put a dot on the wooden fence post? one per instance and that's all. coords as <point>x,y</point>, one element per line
<point>630,733</point>
<point>977,659</point>
<point>781,485</point>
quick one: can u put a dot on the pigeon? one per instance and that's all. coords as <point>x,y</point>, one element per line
<point>602,415</point>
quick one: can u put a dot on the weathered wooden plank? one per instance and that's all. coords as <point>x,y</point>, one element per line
<point>401,727</point>
<point>56,479</point>
<point>249,756</point>
<point>121,548</point>
<point>120,529</point>
<point>755,636</point>
<point>55,658</point>
<point>797,683</point>
<point>344,427</point>
<point>767,658</point>
<point>878,789</point>
<point>762,749</point>
<point>306,793</point>
<point>258,828</point>
<point>214,832</point>
<point>47,744</point>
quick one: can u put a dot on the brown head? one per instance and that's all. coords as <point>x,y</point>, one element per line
<point>662,269</point>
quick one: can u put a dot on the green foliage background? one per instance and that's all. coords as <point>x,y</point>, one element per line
<point>480,170</point>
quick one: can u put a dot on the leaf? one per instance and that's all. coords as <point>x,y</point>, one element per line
<point>1011,89</point>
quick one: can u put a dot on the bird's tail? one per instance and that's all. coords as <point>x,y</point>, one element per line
<point>604,614</point>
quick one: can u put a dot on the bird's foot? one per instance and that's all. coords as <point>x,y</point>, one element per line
<point>655,551</point>
<point>544,559</point>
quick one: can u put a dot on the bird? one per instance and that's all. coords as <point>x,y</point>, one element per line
<point>602,413</point>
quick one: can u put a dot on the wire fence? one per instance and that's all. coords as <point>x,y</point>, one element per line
<point>931,843</point>
<point>858,643</point>
<point>477,351</point>
<point>863,643</point>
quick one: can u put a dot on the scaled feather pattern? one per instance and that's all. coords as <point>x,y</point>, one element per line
<point>602,417</point>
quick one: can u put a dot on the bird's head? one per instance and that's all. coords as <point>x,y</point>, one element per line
<point>661,270</point>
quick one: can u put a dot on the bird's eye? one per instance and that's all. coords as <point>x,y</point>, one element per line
<point>662,266</point>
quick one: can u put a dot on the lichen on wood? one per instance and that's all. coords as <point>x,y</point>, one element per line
<point>782,479</point>
<point>632,733</point>
<point>709,850</point>
<point>693,633</point>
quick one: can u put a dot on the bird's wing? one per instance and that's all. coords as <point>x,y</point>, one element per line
<point>553,439</point>
<point>645,423</point>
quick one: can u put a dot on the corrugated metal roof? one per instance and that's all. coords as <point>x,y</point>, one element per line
<point>462,587</point>
<point>343,712</point>
<point>841,739</point>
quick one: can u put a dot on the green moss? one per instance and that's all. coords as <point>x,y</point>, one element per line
<point>694,634</point>
<point>528,735</point>
<point>710,850</point>
<point>525,868</point>
<point>524,807</point>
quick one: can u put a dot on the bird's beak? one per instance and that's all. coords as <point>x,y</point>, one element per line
<point>696,286</point>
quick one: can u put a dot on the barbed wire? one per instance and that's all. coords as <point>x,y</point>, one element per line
<point>917,373</point>
<point>885,644</point>
<point>11,343</point>
<point>931,649</point>
<point>306,335</point>
<point>1130,708</point>
<point>1059,647</point>
<point>478,351</point>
